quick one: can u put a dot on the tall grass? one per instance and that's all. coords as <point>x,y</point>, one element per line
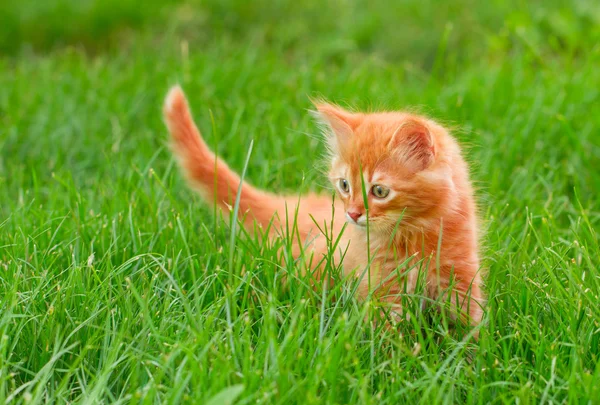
<point>118,285</point>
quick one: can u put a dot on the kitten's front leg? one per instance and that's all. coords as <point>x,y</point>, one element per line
<point>463,292</point>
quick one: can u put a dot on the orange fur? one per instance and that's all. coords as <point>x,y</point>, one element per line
<point>412,157</point>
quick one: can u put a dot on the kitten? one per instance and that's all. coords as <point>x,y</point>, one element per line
<point>420,202</point>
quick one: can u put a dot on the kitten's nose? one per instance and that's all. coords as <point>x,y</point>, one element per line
<point>354,215</point>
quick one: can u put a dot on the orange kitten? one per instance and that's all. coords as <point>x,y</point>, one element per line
<point>417,186</point>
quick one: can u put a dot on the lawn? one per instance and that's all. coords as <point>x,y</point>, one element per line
<point>118,285</point>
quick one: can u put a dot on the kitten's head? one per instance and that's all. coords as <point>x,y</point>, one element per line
<point>405,161</point>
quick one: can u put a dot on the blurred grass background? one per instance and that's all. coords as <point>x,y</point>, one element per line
<point>410,30</point>
<point>93,211</point>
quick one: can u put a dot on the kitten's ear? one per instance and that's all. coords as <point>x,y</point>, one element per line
<point>414,143</point>
<point>341,122</point>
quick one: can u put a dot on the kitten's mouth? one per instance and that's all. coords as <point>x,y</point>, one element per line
<point>358,224</point>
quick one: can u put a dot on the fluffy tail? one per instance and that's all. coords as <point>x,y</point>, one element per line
<point>218,184</point>
<point>215,181</point>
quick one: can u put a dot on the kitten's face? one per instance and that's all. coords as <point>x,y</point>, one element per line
<point>383,194</point>
<point>387,159</point>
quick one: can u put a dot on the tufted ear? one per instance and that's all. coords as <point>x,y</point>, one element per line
<point>414,144</point>
<point>341,122</point>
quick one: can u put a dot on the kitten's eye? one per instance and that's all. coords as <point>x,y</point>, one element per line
<point>379,191</point>
<point>344,186</point>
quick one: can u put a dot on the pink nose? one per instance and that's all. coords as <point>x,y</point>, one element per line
<point>354,215</point>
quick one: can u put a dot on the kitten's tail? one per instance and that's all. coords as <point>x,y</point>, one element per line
<point>215,181</point>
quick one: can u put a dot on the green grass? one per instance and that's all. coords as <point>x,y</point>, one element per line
<point>118,285</point>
